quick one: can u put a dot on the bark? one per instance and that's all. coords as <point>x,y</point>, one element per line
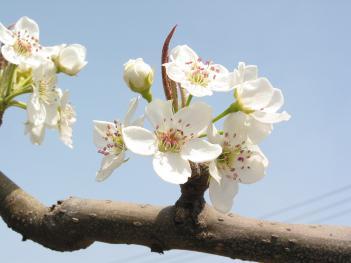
<point>189,225</point>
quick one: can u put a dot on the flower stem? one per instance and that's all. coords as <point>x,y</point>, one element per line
<point>18,104</point>
<point>183,96</point>
<point>190,97</point>
<point>234,107</point>
<point>6,80</point>
<point>17,93</point>
<point>147,96</point>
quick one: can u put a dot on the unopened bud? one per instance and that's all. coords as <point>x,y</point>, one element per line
<point>71,59</point>
<point>139,77</point>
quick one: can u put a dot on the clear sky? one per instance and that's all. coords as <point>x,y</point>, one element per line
<point>303,47</point>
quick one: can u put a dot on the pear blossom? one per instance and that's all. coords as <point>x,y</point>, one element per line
<point>70,59</point>
<point>43,102</point>
<point>197,77</point>
<point>240,162</point>
<point>260,101</point>
<point>138,75</point>
<point>175,140</point>
<point>21,44</point>
<point>67,117</point>
<point>109,141</point>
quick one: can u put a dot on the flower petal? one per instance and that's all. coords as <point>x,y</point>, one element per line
<point>175,72</point>
<point>255,94</point>
<point>28,25</point>
<point>222,194</point>
<point>6,36</point>
<point>212,168</point>
<point>36,110</point>
<point>213,135</point>
<point>183,54</point>
<point>198,151</point>
<point>235,129</point>
<point>271,117</point>
<point>139,140</point>
<point>257,131</point>
<point>10,55</point>
<point>196,90</point>
<point>254,168</point>
<point>36,133</point>
<point>133,104</point>
<point>99,132</point>
<point>159,113</point>
<point>276,102</point>
<point>108,165</point>
<point>171,167</point>
<point>194,119</point>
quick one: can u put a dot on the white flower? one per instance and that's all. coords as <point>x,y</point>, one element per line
<point>70,59</point>
<point>244,73</point>
<point>109,141</point>
<point>21,44</point>
<point>197,77</point>
<point>175,140</point>
<point>36,132</point>
<point>239,162</point>
<point>260,101</point>
<point>138,75</point>
<point>67,117</point>
<point>43,103</point>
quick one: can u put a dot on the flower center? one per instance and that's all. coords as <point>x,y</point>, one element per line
<point>47,91</point>
<point>233,156</point>
<point>170,141</point>
<point>113,137</point>
<point>25,45</point>
<point>201,73</point>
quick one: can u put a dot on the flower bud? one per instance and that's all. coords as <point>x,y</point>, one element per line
<point>139,77</point>
<point>71,59</point>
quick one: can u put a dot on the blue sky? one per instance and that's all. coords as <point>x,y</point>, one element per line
<point>303,47</point>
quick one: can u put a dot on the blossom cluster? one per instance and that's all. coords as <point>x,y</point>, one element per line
<point>187,135</point>
<point>29,67</point>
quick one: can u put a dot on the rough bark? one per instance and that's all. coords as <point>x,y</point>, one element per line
<point>189,225</point>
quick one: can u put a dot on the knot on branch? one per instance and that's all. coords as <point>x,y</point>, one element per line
<point>190,205</point>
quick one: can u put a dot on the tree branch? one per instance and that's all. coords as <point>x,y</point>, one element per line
<point>85,221</point>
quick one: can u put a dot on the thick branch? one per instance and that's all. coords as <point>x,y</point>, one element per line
<point>85,221</point>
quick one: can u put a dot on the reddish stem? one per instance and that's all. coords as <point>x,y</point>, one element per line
<point>164,59</point>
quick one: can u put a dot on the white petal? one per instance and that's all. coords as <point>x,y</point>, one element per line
<point>159,113</point>
<point>276,102</point>
<point>99,133</point>
<point>171,167</point>
<point>255,94</point>
<point>175,72</point>
<point>36,133</point>
<point>10,55</point>
<point>198,151</point>
<point>196,90</point>
<point>194,119</point>
<point>66,135</point>
<point>138,121</point>
<point>222,194</point>
<point>250,73</point>
<point>254,168</point>
<point>222,83</point>
<point>257,131</point>
<point>31,27</point>
<point>234,127</point>
<point>36,110</point>
<point>183,54</point>
<point>271,117</point>
<point>213,135</point>
<point>133,104</point>
<point>52,115</point>
<point>139,140</point>
<point>212,168</point>
<point>6,35</point>
<point>108,165</point>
